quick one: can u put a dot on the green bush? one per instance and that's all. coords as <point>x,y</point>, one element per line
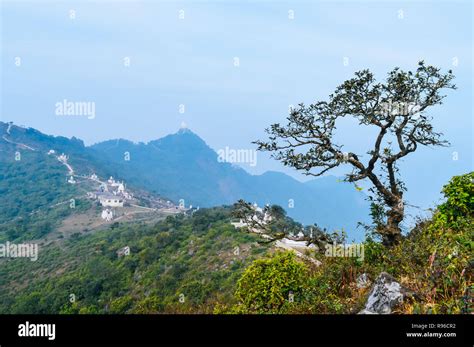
<point>459,193</point>
<point>265,286</point>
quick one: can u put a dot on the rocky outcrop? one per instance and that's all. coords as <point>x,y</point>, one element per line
<point>385,295</point>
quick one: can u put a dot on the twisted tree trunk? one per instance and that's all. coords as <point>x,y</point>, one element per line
<point>392,232</point>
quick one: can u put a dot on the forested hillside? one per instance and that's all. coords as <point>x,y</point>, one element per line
<point>182,264</point>
<point>35,195</point>
<point>200,263</point>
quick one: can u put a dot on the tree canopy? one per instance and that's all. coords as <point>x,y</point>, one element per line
<point>398,109</point>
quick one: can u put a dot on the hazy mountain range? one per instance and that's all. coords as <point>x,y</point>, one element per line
<point>183,166</point>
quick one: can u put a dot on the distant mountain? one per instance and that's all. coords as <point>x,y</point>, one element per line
<point>183,166</point>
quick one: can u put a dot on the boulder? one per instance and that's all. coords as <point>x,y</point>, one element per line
<point>385,295</point>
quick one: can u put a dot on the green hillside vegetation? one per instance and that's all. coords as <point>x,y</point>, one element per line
<point>201,264</point>
<point>435,260</point>
<point>200,257</point>
<point>30,189</point>
<point>197,262</point>
<point>82,158</point>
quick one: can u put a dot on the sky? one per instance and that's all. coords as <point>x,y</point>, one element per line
<point>230,69</point>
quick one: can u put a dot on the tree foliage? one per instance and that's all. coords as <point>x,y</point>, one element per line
<point>396,108</point>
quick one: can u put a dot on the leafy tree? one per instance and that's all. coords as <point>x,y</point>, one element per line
<point>396,108</point>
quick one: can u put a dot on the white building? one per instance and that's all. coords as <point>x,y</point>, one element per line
<point>107,215</point>
<point>110,200</point>
<point>51,151</point>
<point>266,218</point>
<point>71,180</point>
<point>256,208</point>
<point>123,251</point>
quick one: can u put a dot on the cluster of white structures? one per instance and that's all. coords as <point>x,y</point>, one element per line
<point>292,242</point>
<point>111,194</point>
<point>63,158</point>
<point>266,217</point>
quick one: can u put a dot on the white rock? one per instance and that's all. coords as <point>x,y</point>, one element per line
<point>386,294</point>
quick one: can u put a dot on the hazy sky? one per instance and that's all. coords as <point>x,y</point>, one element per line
<point>185,53</point>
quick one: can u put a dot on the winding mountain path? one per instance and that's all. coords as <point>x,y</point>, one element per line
<point>16,143</point>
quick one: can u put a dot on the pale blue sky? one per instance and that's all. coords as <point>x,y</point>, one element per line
<point>190,61</point>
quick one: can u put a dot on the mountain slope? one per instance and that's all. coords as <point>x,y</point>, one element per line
<point>183,166</point>
<point>33,185</point>
<point>181,264</point>
<point>43,190</point>
<point>179,166</point>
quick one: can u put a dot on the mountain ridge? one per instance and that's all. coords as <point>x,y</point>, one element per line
<point>182,166</point>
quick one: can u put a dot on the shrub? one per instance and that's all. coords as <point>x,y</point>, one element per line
<point>265,285</point>
<point>459,194</point>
